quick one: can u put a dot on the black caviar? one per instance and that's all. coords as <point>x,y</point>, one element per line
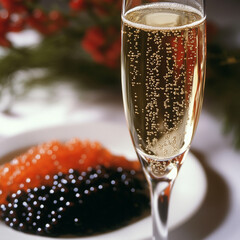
<point>85,203</point>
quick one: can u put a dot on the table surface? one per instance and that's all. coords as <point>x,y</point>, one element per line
<point>219,216</point>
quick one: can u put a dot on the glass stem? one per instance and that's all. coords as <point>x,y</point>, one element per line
<point>160,197</point>
<point>161,177</point>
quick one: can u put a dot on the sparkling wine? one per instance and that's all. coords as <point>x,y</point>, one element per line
<point>163,68</point>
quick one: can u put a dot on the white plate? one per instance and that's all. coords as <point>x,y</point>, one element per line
<point>188,193</point>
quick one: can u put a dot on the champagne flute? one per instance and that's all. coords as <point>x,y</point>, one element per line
<point>163,75</point>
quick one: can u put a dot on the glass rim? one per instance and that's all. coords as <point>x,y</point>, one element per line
<point>164,4</point>
<point>201,10</point>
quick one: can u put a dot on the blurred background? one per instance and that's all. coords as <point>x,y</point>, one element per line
<point>60,62</point>
<point>50,48</point>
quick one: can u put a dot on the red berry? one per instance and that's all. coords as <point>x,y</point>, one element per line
<point>98,56</point>
<point>17,26</point>
<point>95,36</point>
<point>76,4</point>
<point>55,16</point>
<point>88,46</point>
<point>14,6</point>
<point>39,15</point>
<point>4,42</point>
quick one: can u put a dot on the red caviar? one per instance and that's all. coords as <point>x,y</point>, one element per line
<point>39,163</point>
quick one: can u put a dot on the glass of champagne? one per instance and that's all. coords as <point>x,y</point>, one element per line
<point>163,75</point>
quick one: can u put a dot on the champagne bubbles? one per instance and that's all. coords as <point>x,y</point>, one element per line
<point>162,71</point>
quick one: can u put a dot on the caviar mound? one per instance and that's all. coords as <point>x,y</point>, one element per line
<point>72,188</point>
<point>31,168</point>
<point>97,200</point>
